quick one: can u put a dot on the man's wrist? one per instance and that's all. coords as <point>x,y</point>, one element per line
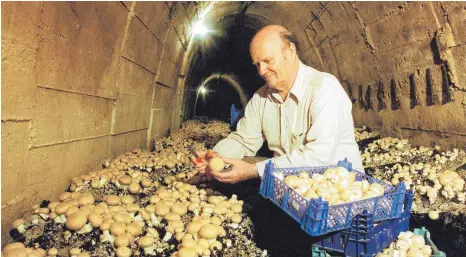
<point>254,172</point>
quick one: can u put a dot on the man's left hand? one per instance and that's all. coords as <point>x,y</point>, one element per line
<point>240,171</point>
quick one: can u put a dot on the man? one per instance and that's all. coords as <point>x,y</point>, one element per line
<point>304,114</point>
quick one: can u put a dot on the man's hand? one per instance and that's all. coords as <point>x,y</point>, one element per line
<point>201,164</point>
<point>240,171</point>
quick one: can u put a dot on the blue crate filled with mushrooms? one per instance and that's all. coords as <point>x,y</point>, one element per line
<point>334,200</point>
<point>366,237</point>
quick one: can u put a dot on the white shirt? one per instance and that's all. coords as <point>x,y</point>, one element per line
<point>312,127</point>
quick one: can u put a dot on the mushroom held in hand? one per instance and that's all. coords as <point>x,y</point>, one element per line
<point>216,164</point>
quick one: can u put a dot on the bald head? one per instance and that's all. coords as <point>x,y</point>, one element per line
<point>274,33</point>
<point>274,52</point>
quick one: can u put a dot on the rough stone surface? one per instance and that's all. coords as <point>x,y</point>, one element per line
<point>163,98</point>
<point>132,113</point>
<point>18,80</point>
<point>157,24</point>
<point>411,24</point>
<point>457,17</point>
<point>62,116</point>
<point>459,55</point>
<point>141,46</point>
<point>127,141</point>
<point>371,12</point>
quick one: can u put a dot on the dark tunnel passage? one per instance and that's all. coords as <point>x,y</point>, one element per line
<point>222,51</point>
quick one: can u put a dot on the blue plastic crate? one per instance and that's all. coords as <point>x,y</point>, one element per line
<point>367,237</point>
<point>316,216</point>
<point>236,115</point>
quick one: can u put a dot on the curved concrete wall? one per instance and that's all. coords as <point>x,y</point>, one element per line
<point>83,81</point>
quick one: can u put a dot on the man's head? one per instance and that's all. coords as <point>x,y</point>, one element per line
<point>274,52</point>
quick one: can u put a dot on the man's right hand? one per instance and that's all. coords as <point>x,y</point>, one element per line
<point>201,163</point>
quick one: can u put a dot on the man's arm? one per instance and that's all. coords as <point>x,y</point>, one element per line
<point>248,138</point>
<point>328,115</point>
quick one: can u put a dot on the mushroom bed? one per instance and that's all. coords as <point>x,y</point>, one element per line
<point>149,203</point>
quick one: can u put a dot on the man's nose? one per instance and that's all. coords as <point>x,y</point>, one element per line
<point>262,69</point>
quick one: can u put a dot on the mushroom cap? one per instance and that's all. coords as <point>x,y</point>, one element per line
<point>216,164</point>
<point>105,225</point>
<point>151,208</point>
<point>172,216</point>
<point>121,217</point>
<point>154,199</point>
<point>95,219</point>
<point>18,222</point>
<point>122,240</point>
<point>17,252</point>
<point>43,211</point>
<point>117,228</point>
<point>86,209</point>
<point>112,200</point>
<point>127,199</point>
<point>65,196</point>
<point>204,242</point>
<point>132,207</point>
<point>179,208</point>
<point>52,251</point>
<point>134,188</point>
<point>193,206</point>
<point>161,209</point>
<point>75,251</point>
<point>134,229</point>
<point>237,208</point>
<point>125,180</point>
<point>86,199</point>
<point>123,252</point>
<point>12,246</point>
<point>236,218</point>
<point>153,232</point>
<point>61,208</point>
<point>213,199</point>
<point>145,182</point>
<point>52,205</point>
<point>215,245</point>
<point>187,252</point>
<point>76,220</point>
<point>146,241</point>
<point>208,231</point>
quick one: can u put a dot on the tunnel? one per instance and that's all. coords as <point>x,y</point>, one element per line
<point>83,82</point>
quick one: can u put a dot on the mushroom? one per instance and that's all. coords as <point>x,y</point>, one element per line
<point>112,200</point>
<point>52,251</point>
<point>187,252</point>
<point>74,252</point>
<point>19,225</point>
<point>147,243</point>
<point>216,164</point>
<point>122,240</point>
<point>123,252</point>
<point>76,220</point>
<point>10,247</point>
<point>86,199</point>
<point>433,215</point>
<point>208,231</point>
<point>95,219</point>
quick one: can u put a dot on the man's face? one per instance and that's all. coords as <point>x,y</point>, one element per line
<point>272,60</point>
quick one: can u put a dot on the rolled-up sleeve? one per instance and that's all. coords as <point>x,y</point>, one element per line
<point>327,115</point>
<point>248,137</point>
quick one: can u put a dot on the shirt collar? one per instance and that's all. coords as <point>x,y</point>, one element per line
<point>296,89</point>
